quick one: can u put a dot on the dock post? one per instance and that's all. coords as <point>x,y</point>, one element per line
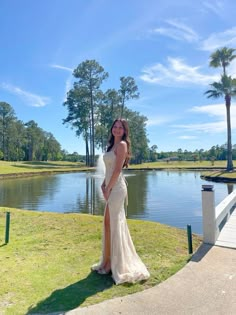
<point>208,214</point>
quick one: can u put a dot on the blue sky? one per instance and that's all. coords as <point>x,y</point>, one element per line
<point>165,45</point>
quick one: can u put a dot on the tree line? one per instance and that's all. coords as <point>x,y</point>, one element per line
<point>215,153</point>
<point>21,141</point>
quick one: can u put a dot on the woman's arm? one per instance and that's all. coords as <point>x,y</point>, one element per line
<point>121,152</point>
<point>103,186</point>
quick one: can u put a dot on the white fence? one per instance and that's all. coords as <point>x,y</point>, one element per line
<point>214,217</point>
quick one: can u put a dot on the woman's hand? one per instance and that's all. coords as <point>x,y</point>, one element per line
<point>106,193</point>
<point>103,186</point>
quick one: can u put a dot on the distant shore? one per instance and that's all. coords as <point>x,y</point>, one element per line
<point>216,172</point>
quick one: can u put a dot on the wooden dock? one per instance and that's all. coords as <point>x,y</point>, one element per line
<point>227,237</point>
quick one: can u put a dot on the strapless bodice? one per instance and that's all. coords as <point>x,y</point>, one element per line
<point>109,159</point>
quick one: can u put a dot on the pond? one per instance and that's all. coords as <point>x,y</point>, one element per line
<point>170,197</point>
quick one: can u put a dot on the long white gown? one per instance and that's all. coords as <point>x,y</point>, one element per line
<point>126,265</point>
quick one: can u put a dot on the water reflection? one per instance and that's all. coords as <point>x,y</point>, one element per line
<point>19,192</point>
<point>92,202</point>
<point>137,192</point>
<point>170,197</point>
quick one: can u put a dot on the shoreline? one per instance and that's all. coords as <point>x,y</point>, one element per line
<point>54,172</point>
<point>31,174</point>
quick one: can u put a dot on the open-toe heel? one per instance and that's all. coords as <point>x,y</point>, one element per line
<point>102,271</point>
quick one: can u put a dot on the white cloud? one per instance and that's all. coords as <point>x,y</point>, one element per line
<point>218,40</point>
<point>159,120</point>
<point>177,31</point>
<point>217,110</point>
<point>211,110</point>
<point>28,97</point>
<point>212,127</point>
<point>61,67</point>
<point>69,85</point>
<point>187,137</point>
<point>231,70</point>
<point>175,73</point>
<point>215,7</point>
<point>219,126</point>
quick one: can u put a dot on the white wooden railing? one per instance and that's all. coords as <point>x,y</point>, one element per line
<point>214,217</point>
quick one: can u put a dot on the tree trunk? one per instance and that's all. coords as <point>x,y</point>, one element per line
<point>4,139</point>
<point>92,139</point>
<point>87,151</point>
<point>230,166</point>
<point>122,107</point>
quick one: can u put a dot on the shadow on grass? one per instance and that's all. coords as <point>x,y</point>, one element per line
<point>74,295</point>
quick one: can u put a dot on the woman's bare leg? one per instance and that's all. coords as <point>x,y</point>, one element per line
<point>107,253</point>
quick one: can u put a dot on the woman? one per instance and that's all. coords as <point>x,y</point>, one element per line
<point>118,255</point>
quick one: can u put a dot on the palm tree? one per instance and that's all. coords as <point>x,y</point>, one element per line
<point>222,58</point>
<point>225,88</point>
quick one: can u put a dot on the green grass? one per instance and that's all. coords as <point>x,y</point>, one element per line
<point>16,169</point>
<point>220,175</point>
<point>215,172</point>
<point>31,168</point>
<point>45,267</point>
<point>181,165</point>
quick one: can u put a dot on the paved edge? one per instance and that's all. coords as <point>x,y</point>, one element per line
<point>205,285</point>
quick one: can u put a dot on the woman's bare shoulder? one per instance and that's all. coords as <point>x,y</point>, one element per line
<point>123,144</point>
<point>122,147</point>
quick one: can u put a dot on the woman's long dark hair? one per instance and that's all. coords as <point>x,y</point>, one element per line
<point>125,138</point>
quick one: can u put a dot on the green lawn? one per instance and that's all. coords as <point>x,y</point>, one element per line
<point>51,166</point>
<point>181,164</point>
<point>45,267</point>
<point>220,176</point>
<point>28,168</point>
<point>215,172</point>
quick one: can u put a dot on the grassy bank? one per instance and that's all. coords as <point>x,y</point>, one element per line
<point>18,169</point>
<point>46,265</point>
<point>220,176</point>
<point>213,172</point>
<point>181,165</point>
<point>15,169</point>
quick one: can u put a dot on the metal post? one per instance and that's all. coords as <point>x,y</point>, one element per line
<point>190,243</point>
<point>208,214</point>
<point>7,231</point>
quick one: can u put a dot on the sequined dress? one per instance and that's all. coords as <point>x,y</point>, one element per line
<point>126,265</point>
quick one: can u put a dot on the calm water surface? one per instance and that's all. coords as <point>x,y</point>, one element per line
<point>170,197</point>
